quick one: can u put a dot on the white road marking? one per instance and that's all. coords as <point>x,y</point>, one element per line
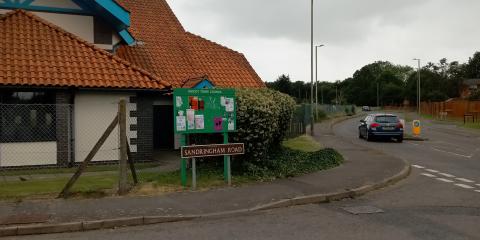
<point>444,180</point>
<point>464,186</point>
<point>456,154</point>
<point>478,185</point>
<point>477,191</point>
<point>414,144</point>
<point>418,166</point>
<point>447,175</point>
<point>465,180</point>
<point>428,175</point>
<point>432,171</point>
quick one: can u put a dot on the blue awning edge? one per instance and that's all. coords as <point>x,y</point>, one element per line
<point>114,13</point>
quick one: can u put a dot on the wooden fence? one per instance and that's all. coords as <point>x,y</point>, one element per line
<point>452,109</point>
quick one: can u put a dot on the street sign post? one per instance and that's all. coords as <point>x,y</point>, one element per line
<point>204,111</point>
<point>213,150</point>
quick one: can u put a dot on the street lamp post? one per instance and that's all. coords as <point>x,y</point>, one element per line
<point>316,79</point>
<point>419,85</point>
<point>311,71</point>
<point>378,94</point>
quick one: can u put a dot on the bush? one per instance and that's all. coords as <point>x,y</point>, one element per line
<point>347,111</point>
<point>263,117</point>
<point>321,115</point>
<point>286,162</point>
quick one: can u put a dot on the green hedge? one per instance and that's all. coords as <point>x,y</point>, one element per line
<point>285,162</point>
<point>263,117</point>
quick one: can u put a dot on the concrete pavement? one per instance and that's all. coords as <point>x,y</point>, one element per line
<point>363,170</point>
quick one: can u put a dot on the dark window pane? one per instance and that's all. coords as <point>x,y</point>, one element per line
<point>386,119</point>
<point>102,32</point>
<point>27,116</point>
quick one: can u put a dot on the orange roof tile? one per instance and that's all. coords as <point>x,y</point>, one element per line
<point>167,50</point>
<point>37,53</point>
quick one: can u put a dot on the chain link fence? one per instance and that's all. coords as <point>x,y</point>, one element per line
<point>302,118</point>
<point>42,146</point>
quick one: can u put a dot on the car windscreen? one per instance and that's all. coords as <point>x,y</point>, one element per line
<point>386,119</point>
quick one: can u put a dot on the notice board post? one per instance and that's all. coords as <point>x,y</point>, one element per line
<point>227,174</point>
<point>205,111</point>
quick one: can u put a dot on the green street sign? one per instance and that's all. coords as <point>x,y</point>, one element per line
<point>204,111</point>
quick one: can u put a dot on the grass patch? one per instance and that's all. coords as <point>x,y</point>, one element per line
<point>472,126</point>
<point>298,156</point>
<point>303,143</point>
<point>92,168</point>
<point>52,187</point>
<point>208,177</point>
<point>100,186</point>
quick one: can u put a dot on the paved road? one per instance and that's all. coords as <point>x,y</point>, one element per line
<point>440,200</point>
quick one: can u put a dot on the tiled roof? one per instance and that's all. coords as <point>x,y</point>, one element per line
<point>167,50</point>
<point>37,53</point>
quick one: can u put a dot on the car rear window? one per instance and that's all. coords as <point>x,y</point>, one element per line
<point>386,119</point>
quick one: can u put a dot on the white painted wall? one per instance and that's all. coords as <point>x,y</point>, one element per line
<point>28,154</point>
<point>82,26</point>
<point>56,3</point>
<point>94,111</point>
<point>79,25</point>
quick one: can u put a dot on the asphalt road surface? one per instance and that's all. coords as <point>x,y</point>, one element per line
<point>440,200</point>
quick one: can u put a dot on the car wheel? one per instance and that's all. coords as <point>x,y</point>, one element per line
<point>360,134</point>
<point>368,137</point>
<point>400,139</point>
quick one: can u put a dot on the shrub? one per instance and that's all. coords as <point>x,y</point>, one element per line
<point>321,115</point>
<point>285,162</point>
<point>263,117</point>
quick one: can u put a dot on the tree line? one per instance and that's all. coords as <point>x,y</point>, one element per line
<point>385,83</point>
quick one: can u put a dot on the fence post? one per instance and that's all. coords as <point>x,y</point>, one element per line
<point>122,122</point>
<point>89,158</point>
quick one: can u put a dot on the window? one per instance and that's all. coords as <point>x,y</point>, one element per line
<point>27,116</point>
<point>102,32</point>
<point>386,119</point>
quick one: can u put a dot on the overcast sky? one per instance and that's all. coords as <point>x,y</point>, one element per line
<point>275,34</point>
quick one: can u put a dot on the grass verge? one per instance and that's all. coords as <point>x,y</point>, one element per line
<point>296,157</point>
<point>303,143</point>
<point>92,168</point>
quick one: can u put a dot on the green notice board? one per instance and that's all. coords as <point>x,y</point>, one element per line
<point>204,110</point>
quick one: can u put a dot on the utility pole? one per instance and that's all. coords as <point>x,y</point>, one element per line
<point>419,85</point>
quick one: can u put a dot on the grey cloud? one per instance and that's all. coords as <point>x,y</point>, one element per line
<point>339,21</point>
<point>274,32</point>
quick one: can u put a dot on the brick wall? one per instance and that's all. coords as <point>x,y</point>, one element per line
<point>64,128</point>
<point>144,127</point>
